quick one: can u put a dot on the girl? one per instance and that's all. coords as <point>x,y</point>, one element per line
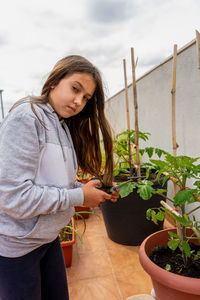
<point>43,141</point>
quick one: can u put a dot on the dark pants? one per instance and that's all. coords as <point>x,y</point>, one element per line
<point>40,274</point>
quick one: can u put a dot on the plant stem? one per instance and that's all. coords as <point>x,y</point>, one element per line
<point>193,210</point>
<point>182,234</point>
<point>166,197</point>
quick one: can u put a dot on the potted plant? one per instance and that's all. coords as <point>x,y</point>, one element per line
<point>68,234</point>
<point>125,220</point>
<point>178,276</point>
<point>82,208</point>
<point>67,237</point>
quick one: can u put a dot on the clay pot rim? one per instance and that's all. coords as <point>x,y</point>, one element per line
<point>175,281</point>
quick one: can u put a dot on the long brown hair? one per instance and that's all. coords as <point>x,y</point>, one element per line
<point>85,127</point>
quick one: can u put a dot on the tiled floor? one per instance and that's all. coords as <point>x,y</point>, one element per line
<point>103,269</point>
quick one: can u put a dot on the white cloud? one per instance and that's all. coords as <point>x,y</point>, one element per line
<point>35,34</point>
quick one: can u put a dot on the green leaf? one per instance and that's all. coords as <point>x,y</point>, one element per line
<point>153,217</point>
<point>172,234</point>
<point>168,267</point>
<point>159,163</point>
<point>159,152</point>
<point>161,191</point>
<point>124,171</point>
<point>148,171</point>
<point>160,215</point>
<point>165,179</point>
<point>127,189</point>
<point>186,248</point>
<point>197,183</point>
<point>181,220</point>
<point>183,196</point>
<point>148,214</point>
<point>173,244</point>
<point>149,151</point>
<point>141,151</point>
<point>145,189</point>
<point>116,172</point>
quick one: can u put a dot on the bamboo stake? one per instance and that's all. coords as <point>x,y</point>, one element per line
<point>180,230</point>
<point>167,206</point>
<point>198,46</point>
<point>127,115</point>
<point>136,115</point>
<point>1,100</point>
<point>173,91</point>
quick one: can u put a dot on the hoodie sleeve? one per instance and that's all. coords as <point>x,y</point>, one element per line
<point>19,157</point>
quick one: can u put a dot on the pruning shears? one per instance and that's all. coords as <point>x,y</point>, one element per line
<point>109,188</point>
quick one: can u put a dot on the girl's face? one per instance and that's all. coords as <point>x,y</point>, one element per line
<point>71,94</point>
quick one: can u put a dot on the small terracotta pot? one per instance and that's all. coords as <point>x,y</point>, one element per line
<point>82,208</point>
<point>67,248</point>
<point>167,285</point>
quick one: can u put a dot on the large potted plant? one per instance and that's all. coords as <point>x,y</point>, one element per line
<point>172,257</point>
<point>125,220</point>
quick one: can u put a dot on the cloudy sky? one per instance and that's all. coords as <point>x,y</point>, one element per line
<point>34,35</point>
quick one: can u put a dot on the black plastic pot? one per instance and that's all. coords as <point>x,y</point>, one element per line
<point>126,221</point>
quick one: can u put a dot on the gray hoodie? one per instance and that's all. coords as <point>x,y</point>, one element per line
<point>38,167</point>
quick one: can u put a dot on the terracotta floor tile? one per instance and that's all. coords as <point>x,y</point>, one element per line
<point>104,270</point>
<point>89,266</point>
<point>125,259</point>
<point>92,243</point>
<point>133,283</point>
<point>93,227</point>
<point>94,289</point>
<point>110,245</point>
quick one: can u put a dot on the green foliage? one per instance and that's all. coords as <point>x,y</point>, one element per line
<point>185,196</point>
<point>145,189</point>
<point>177,168</point>
<point>121,148</point>
<point>180,169</point>
<point>127,189</point>
<point>66,231</point>
<point>154,216</point>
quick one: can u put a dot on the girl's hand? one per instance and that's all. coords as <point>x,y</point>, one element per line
<point>115,194</point>
<point>93,196</point>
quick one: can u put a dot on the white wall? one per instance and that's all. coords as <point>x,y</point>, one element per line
<point>154,102</point>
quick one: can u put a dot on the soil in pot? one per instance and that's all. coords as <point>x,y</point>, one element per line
<point>163,256</point>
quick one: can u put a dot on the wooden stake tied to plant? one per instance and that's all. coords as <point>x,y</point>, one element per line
<point>127,116</point>
<point>136,115</point>
<point>198,47</point>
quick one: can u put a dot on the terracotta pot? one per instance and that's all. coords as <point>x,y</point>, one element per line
<point>67,248</point>
<point>82,208</point>
<point>84,180</point>
<point>167,285</point>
